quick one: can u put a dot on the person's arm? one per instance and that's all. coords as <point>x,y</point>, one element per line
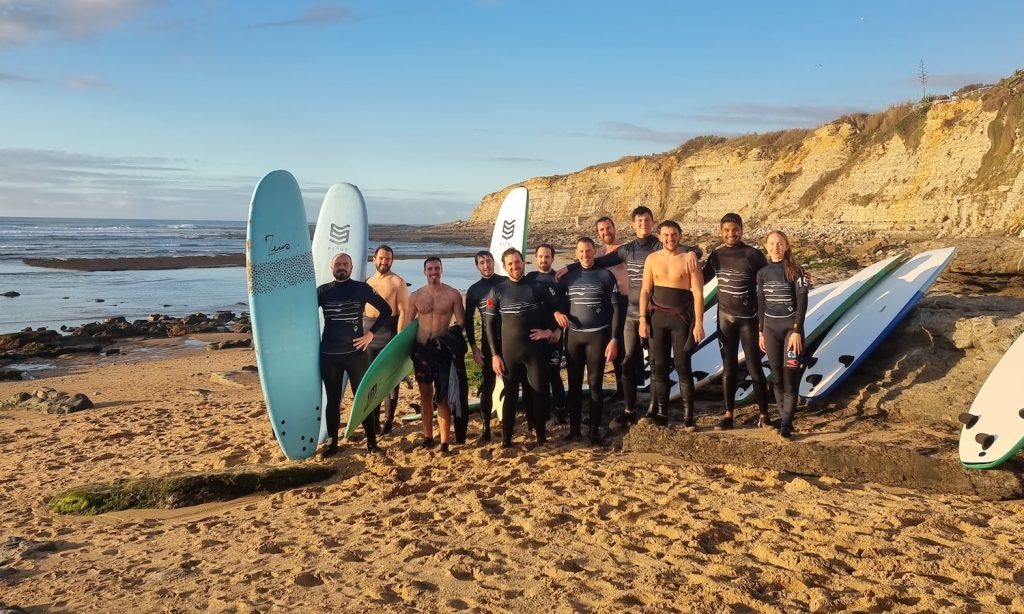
<point>800,288</point>
<point>460,312</point>
<point>491,321</point>
<point>709,267</point>
<point>646,288</point>
<point>471,306</point>
<point>380,305</point>
<point>402,299</point>
<point>616,308</point>
<point>761,306</point>
<point>697,287</point>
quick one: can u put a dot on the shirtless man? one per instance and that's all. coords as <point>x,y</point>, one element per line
<point>434,305</point>
<point>672,318</point>
<point>392,289</point>
<point>609,243</point>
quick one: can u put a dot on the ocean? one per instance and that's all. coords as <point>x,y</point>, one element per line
<point>54,297</point>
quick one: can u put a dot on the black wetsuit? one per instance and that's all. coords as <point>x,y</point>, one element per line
<point>736,268</point>
<point>513,310</point>
<point>343,304</point>
<point>476,300</point>
<point>633,255</point>
<point>554,352</point>
<point>781,308</point>
<point>671,337</point>
<point>593,303</point>
<point>381,338</point>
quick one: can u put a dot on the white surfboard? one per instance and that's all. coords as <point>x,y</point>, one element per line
<point>863,327</point>
<point>827,304</point>
<point>993,429</point>
<point>341,227</point>
<point>510,226</point>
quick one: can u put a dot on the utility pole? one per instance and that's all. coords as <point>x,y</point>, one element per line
<point>922,78</point>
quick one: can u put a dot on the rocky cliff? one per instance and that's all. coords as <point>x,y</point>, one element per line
<point>947,167</point>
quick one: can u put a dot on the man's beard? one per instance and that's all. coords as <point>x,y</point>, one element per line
<point>342,276</point>
<point>383,269</point>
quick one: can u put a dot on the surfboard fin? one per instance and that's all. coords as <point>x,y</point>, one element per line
<point>846,359</point>
<point>969,420</point>
<point>810,361</point>
<point>813,379</point>
<point>985,440</point>
<point>699,375</point>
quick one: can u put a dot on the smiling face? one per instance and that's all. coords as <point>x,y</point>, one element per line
<point>585,253</point>
<point>642,225</point>
<point>669,237</point>
<point>432,271</point>
<point>514,266</point>
<point>341,266</point>
<point>383,260</point>
<point>776,245</point>
<point>606,232</point>
<point>732,233</point>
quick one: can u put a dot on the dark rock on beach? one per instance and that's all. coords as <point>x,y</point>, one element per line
<point>49,400</point>
<point>10,294</point>
<point>227,345</point>
<point>10,375</point>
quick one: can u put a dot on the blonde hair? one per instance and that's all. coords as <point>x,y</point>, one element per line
<point>788,263</point>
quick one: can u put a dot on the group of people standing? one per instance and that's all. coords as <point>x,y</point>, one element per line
<point>604,308</point>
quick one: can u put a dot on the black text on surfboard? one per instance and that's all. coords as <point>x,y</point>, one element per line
<point>269,240</point>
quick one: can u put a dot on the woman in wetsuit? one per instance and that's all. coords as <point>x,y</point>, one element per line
<point>781,308</point>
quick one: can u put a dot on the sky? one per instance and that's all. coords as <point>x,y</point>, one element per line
<point>172,109</point>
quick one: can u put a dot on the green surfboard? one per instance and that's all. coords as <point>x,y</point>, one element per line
<point>389,368</point>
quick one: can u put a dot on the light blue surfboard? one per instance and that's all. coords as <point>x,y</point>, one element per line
<point>283,306</point>
<point>341,227</point>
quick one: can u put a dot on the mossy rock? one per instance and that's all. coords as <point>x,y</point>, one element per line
<point>184,490</point>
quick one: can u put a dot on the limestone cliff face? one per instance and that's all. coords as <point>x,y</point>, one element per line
<point>950,167</point>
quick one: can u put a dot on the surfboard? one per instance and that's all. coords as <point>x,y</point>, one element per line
<point>864,326</point>
<point>993,430</point>
<point>341,226</point>
<point>510,226</point>
<point>283,304</point>
<point>389,368</point>
<point>825,305</point>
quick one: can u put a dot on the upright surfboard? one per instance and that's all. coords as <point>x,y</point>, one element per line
<point>862,328</point>
<point>827,304</point>
<point>283,307</point>
<point>389,368</point>
<point>341,227</point>
<point>993,429</point>
<point>510,226</point>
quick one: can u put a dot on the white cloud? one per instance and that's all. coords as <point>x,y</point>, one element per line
<point>317,15</point>
<point>23,22</point>
<point>86,82</point>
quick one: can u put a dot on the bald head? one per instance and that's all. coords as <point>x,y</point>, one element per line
<point>341,266</point>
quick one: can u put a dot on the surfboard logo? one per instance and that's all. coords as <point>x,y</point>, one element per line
<point>340,234</point>
<point>508,229</point>
<point>273,247</point>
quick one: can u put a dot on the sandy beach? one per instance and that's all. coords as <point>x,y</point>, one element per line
<point>563,528</point>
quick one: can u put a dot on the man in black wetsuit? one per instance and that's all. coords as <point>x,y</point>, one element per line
<point>543,258</point>
<point>520,323</point>
<point>672,317</point>
<point>476,300</point>
<point>592,329</point>
<point>633,255</point>
<point>736,265</point>
<point>343,345</point>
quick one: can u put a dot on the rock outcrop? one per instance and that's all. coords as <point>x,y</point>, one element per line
<point>947,168</point>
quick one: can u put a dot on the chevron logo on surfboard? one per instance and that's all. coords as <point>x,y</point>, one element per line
<point>340,234</point>
<point>508,230</point>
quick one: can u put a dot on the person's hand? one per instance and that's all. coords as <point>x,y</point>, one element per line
<point>478,356</point>
<point>498,365</point>
<point>611,350</point>
<point>562,319</point>
<point>540,334</point>
<point>560,273</point>
<point>644,333</point>
<point>690,263</point>
<point>698,332</point>
<point>795,343</point>
<point>361,343</point>
<point>760,342</point>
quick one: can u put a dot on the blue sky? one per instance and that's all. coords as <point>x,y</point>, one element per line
<point>173,110</point>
